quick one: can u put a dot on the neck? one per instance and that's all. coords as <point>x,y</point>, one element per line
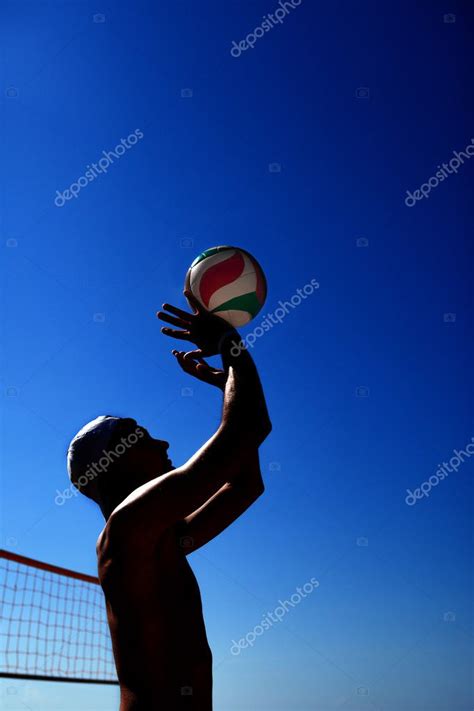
<point>109,501</point>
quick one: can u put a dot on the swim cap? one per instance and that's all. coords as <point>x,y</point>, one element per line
<point>86,451</point>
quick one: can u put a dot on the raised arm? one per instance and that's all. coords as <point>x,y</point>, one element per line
<point>223,508</point>
<point>244,425</point>
<point>232,499</point>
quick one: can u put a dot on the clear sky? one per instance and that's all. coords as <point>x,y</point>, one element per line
<point>368,381</point>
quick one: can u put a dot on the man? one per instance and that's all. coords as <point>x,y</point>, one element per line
<point>156,515</point>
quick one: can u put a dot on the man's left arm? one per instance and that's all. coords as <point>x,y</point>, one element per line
<point>232,499</point>
<point>222,509</point>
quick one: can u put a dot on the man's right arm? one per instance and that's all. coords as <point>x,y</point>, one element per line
<point>160,503</point>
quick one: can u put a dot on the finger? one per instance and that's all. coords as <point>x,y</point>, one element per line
<point>204,362</point>
<point>193,354</point>
<point>180,355</point>
<point>180,358</point>
<point>201,361</point>
<point>213,377</point>
<point>193,302</point>
<point>173,320</point>
<point>203,370</point>
<point>181,335</point>
<point>214,371</point>
<point>189,366</point>
<point>178,312</point>
<point>198,370</point>
<point>205,376</point>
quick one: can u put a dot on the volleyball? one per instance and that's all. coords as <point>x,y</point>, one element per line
<point>228,282</point>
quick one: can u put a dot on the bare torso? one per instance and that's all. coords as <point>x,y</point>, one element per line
<point>154,610</point>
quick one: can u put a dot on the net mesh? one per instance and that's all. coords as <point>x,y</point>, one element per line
<point>53,625</point>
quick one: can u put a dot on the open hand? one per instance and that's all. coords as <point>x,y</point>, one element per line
<point>198,368</point>
<point>204,329</point>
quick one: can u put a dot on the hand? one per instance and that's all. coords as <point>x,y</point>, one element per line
<point>198,368</point>
<point>204,329</point>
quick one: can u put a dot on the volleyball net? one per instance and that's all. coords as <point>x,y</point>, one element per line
<point>54,624</point>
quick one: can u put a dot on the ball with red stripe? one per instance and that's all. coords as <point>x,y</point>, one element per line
<point>228,282</point>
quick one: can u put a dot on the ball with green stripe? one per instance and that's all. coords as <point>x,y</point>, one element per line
<point>229,282</point>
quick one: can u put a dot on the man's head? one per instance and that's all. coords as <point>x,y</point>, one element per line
<point>112,456</point>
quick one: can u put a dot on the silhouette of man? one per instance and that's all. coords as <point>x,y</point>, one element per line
<point>156,515</point>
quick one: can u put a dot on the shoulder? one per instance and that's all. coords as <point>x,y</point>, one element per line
<point>126,540</point>
<point>146,513</point>
<point>116,538</point>
<point>107,554</point>
<point>100,541</point>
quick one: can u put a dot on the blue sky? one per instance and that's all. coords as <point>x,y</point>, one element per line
<point>357,103</point>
